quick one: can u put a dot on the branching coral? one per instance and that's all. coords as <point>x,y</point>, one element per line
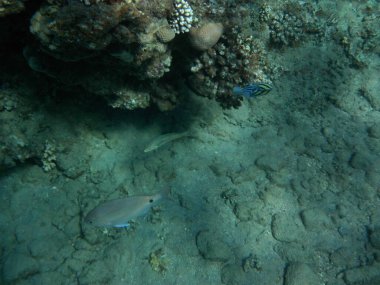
<point>182,17</point>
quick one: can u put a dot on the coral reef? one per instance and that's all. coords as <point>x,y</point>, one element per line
<point>123,50</point>
<point>76,32</point>
<point>234,61</point>
<point>285,29</point>
<point>165,34</point>
<point>73,31</point>
<point>293,23</point>
<point>135,54</point>
<point>8,7</point>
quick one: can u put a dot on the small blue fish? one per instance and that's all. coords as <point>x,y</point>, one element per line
<point>252,90</point>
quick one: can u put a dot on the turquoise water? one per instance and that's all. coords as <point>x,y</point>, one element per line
<point>281,188</point>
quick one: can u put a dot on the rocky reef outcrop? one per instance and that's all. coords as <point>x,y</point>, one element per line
<point>136,53</point>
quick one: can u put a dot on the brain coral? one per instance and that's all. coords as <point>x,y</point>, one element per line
<point>206,36</point>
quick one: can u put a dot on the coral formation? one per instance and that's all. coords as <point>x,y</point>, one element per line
<point>157,260</point>
<point>128,53</point>
<point>289,25</point>
<point>123,50</point>
<point>165,34</point>
<point>285,29</point>
<point>48,157</point>
<point>91,2</point>
<point>121,38</point>
<point>74,31</point>
<point>234,61</point>
<point>11,7</point>
<point>182,17</point>
<point>130,99</point>
<point>206,36</point>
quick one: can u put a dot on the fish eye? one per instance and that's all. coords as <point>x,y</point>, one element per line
<point>151,201</point>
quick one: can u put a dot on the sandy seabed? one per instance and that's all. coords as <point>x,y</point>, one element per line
<point>284,190</point>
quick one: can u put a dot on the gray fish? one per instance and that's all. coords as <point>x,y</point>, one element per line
<point>164,139</point>
<point>116,213</point>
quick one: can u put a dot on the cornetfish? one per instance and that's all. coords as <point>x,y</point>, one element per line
<point>166,138</point>
<point>116,213</point>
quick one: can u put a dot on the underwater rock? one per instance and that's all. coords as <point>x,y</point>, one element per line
<point>206,36</point>
<point>74,31</point>
<point>375,238</point>
<point>17,140</point>
<point>244,211</point>
<point>19,266</point>
<point>71,169</point>
<point>374,131</point>
<point>232,274</point>
<point>362,160</point>
<point>363,275</point>
<point>300,274</point>
<point>316,219</point>
<point>165,97</point>
<point>345,257</point>
<point>287,228</point>
<point>213,248</point>
<point>131,99</point>
<point>271,162</point>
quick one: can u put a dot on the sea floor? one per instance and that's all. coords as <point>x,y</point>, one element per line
<point>284,190</point>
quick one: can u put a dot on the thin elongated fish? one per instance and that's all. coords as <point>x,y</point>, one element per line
<point>117,213</point>
<point>164,139</point>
